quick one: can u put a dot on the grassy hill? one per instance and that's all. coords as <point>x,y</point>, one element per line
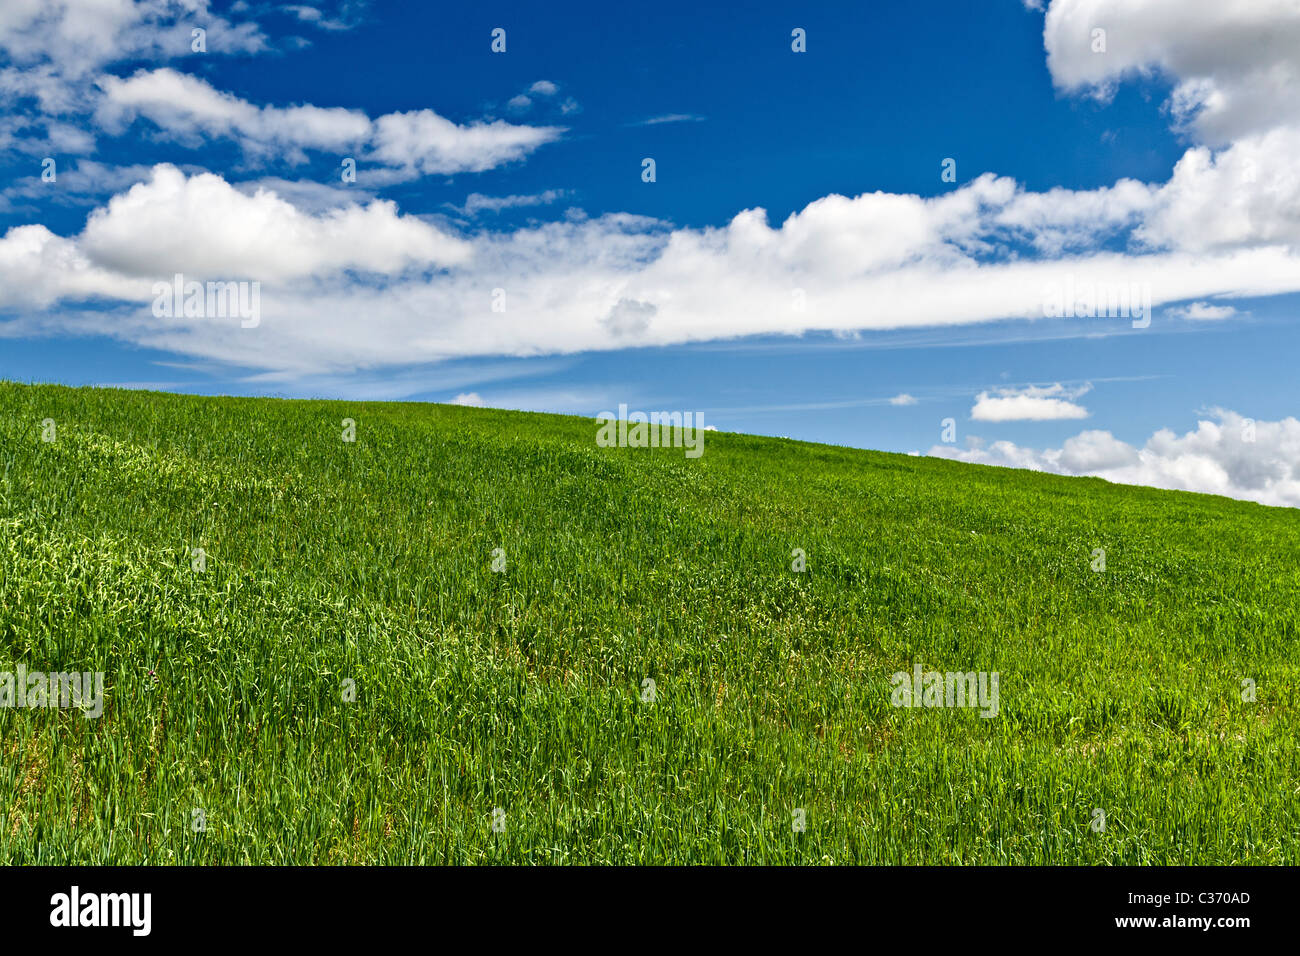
<point>349,680</point>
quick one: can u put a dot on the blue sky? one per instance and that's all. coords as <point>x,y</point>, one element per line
<point>1163,159</point>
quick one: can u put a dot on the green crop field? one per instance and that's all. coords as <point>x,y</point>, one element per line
<point>474,636</point>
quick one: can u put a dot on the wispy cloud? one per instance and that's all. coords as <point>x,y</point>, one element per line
<point>476,203</point>
<point>669,118</point>
<point>347,18</point>
<point>823,406</point>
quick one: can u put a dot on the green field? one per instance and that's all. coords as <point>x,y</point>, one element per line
<point>227,735</point>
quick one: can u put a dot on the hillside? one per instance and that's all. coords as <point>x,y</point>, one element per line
<point>347,679</point>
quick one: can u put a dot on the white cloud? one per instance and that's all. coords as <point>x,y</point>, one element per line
<point>424,141</point>
<point>670,118</point>
<point>1235,63</point>
<point>39,269</point>
<point>1203,312</point>
<point>902,399</point>
<point>317,18</point>
<point>78,37</point>
<point>1033,403</point>
<point>43,136</point>
<point>192,111</point>
<point>54,95</point>
<point>1065,219</point>
<point>537,94</point>
<point>476,203</point>
<point>1248,194</point>
<point>1229,455</point>
<point>202,227</point>
<point>1245,195</point>
<point>472,399</point>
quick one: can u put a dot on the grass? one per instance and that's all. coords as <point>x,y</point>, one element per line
<point>371,562</point>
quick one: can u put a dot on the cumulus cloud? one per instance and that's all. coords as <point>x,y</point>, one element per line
<point>1235,65</point>
<point>1203,312</point>
<point>902,399</point>
<point>1227,454</point>
<point>39,269</point>
<point>1248,194</point>
<point>202,227</point>
<point>1034,403</point>
<point>472,399</point>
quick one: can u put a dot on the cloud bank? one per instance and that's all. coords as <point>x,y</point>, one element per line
<point>1224,455</point>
